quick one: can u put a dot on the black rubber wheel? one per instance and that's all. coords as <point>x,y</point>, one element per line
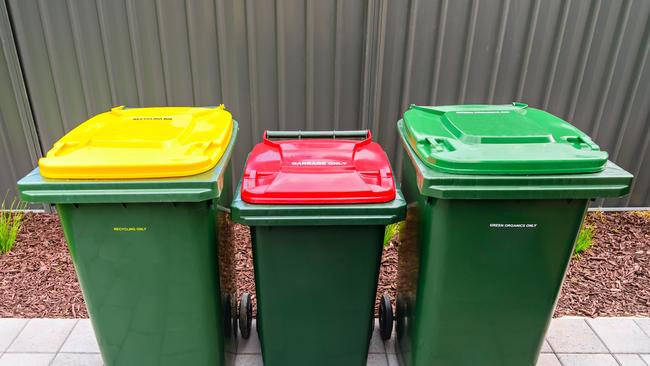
<point>227,314</point>
<point>400,315</point>
<point>245,315</point>
<point>385,317</point>
<point>233,315</point>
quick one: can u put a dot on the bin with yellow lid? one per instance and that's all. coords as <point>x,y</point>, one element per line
<point>138,191</point>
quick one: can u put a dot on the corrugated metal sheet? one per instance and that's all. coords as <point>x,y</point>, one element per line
<point>18,143</point>
<point>586,61</point>
<point>344,64</point>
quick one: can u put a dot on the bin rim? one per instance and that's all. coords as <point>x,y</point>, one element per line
<point>254,214</point>
<point>612,181</point>
<point>194,188</point>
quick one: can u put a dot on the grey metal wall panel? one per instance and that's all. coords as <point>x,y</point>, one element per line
<point>337,64</point>
<point>585,61</point>
<point>18,143</point>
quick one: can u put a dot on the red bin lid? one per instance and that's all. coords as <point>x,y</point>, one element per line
<point>311,167</point>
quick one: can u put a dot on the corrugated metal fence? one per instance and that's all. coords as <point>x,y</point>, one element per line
<point>331,64</point>
<point>19,147</point>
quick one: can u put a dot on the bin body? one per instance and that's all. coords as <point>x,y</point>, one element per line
<point>316,265</point>
<point>307,295</point>
<point>471,294</point>
<point>483,258</point>
<point>154,257</point>
<point>150,278</point>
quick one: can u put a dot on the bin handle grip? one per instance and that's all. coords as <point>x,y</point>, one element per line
<point>334,134</point>
<point>120,108</point>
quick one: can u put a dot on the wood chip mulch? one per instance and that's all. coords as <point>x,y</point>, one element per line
<point>37,277</point>
<point>613,277</point>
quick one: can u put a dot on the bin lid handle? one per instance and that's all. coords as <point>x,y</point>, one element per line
<point>333,134</point>
<point>365,135</point>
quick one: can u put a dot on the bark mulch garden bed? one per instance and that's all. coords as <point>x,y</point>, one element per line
<point>612,278</point>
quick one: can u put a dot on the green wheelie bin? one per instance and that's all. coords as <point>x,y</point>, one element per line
<point>496,196</point>
<point>317,203</point>
<point>138,192</point>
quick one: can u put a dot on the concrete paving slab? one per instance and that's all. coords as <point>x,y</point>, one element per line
<point>392,359</point>
<point>577,341</point>
<point>42,335</point>
<point>389,344</point>
<point>546,348</point>
<point>548,359</point>
<point>573,335</point>
<point>377,359</point>
<point>621,335</point>
<point>249,360</point>
<point>252,344</point>
<point>584,359</point>
<point>9,329</point>
<point>82,339</point>
<point>629,360</point>
<point>26,359</point>
<point>77,359</point>
<point>644,324</point>
<point>376,343</point>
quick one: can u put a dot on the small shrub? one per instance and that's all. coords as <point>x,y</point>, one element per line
<point>11,219</point>
<point>391,231</point>
<point>644,214</point>
<point>585,239</point>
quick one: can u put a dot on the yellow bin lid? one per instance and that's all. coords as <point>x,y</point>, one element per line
<point>130,143</point>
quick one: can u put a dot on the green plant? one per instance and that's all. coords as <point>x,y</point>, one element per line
<point>391,231</point>
<point>11,219</point>
<point>644,214</point>
<point>585,239</point>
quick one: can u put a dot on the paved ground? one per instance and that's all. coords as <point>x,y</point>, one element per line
<point>569,342</point>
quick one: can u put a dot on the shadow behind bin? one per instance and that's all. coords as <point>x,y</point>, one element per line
<point>496,196</point>
<point>317,204</point>
<point>158,287</point>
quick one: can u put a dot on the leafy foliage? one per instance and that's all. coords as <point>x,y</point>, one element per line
<point>11,219</point>
<point>391,231</point>
<point>585,239</point>
<point>644,214</point>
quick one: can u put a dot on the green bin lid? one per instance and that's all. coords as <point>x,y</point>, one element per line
<point>499,139</point>
<point>612,181</point>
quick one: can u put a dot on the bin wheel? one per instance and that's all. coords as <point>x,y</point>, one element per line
<point>385,317</point>
<point>232,317</point>
<point>245,315</point>
<point>400,314</point>
<point>227,314</point>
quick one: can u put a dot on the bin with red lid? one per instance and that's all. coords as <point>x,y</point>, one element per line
<point>317,204</point>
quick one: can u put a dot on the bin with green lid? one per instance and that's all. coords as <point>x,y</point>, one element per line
<point>138,192</point>
<point>496,197</point>
<point>317,203</point>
